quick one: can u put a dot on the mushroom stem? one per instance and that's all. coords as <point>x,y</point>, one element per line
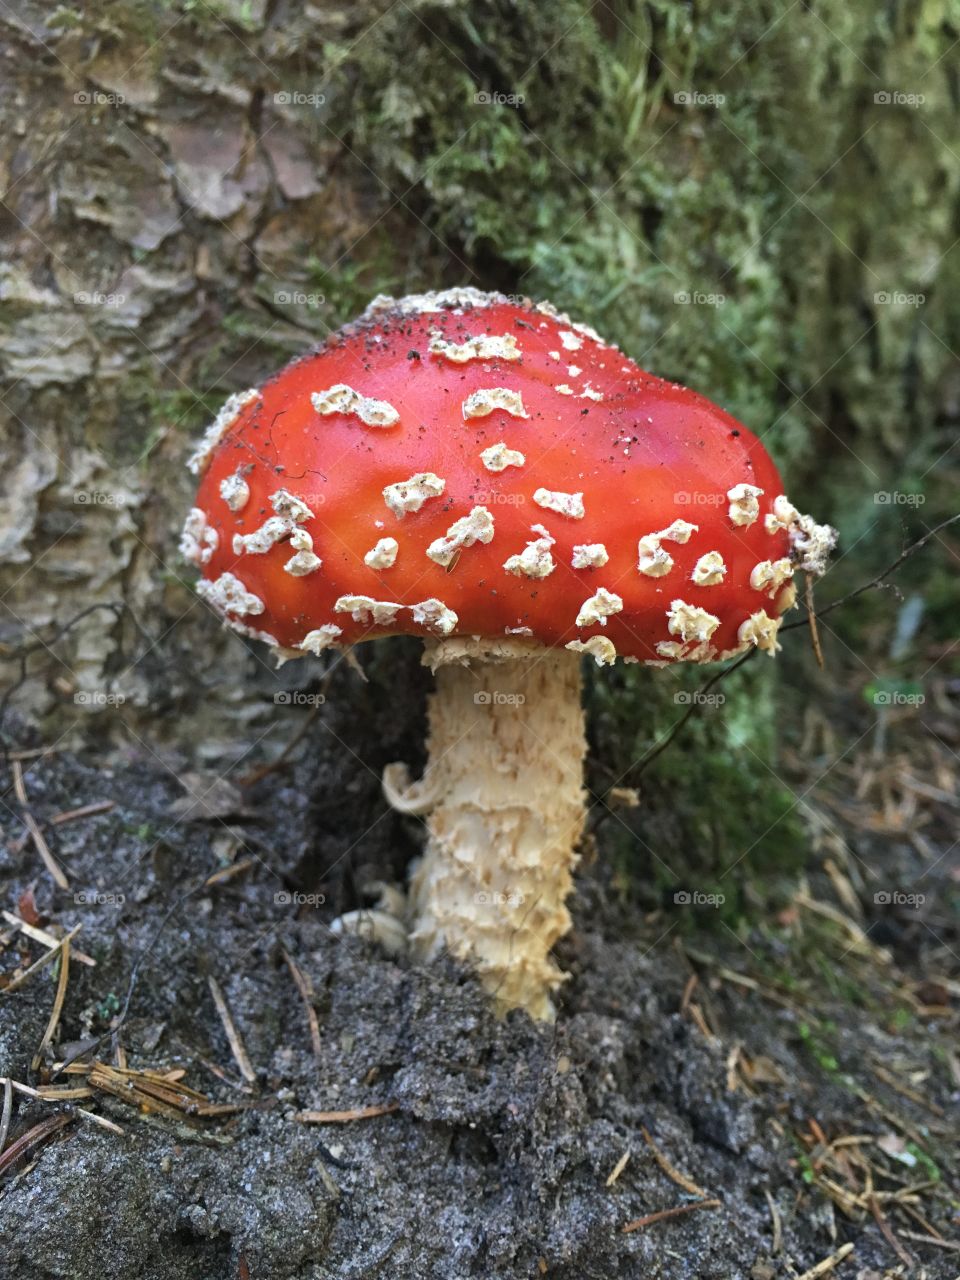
<point>506,751</point>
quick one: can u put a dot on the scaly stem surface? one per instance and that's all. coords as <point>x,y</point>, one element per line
<point>505,786</point>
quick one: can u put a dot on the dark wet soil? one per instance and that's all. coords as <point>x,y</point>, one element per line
<point>496,1157</point>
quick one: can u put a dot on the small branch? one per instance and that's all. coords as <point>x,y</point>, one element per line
<point>44,960</point>
<point>888,1235</point>
<point>346,1117</point>
<point>233,1035</point>
<point>102,1121</point>
<point>951,1246</point>
<point>673,1174</point>
<point>662,1214</point>
<point>305,987</point>
<point>777,1244</point>
<point>85,811</point>
<point>39,1134</point>
<point>5,1115</point>
<point>875,582</point>
<point>63,979</point>
<point>228,873</point>
<point>41,846</point>
<point>812,620</point>
<point>827,1264</point>
<point>138,963</point>
<point>39,843</point>
<point>41,935</point>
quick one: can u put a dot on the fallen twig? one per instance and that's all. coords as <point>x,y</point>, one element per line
<point>102,1121</point>
<point>39,1134</point>
<point>230,1081</point>
<point>890,1079</point>
<point>233,1035</point>
<point>827,1264</point>
<point>85,811</point>
<point>673,1174</point>
<point>951,1246</point>
<point>227,873</point>
<point>638,1223</point>
<point>689,987</point>
<point>887,1232</point>
<point>118,1022</point>
<point>796,1004</point>
<point>44,960</point>
<point>48,939</point>
<point>36,835</point>
<point>41,846</point>
<point>51,1093</point>
<point>812,620</point>
<point>618,1168</point>
<point>305,987</point>
<point>19,789</point>
<point>62,980</point>
<point>5,1115</point>
<point>696,703</point>
<point>777,1244</point>
<point>150,1091</point>
<point>346,1117</point>
<point>859,939</point>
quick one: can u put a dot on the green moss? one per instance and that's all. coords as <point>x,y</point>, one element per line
<point>348,286</point>
<point>818,1046</point>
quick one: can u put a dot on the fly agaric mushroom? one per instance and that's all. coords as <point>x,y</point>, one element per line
<point>489,476</point>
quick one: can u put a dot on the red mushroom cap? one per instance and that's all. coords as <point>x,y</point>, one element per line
<point>460,464</point>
